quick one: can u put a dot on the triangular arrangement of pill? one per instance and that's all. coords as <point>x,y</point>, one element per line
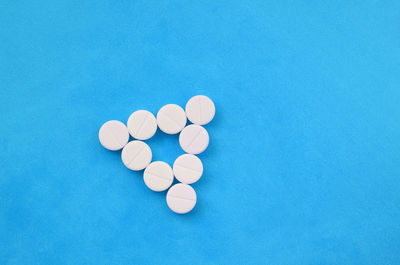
<point>171,119</point>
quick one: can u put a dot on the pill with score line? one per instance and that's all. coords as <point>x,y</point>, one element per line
<point>200,109</point>
<point>194,139</point>
<point>136,155</point>
<point>158,176</point>
<point>113,135</point>
<point>181,198</point>
<point>171,119</point>
<point>188,168</point>
<point>142,125</point>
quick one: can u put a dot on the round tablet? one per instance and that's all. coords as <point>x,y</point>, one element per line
<point>194,139</point>
<point>188,168</point>
<point>158,176</point>
<point>136,155</point>
<point>181,198</point>
<point>171,119</point>
<point>142,124</point>
<point>113,135</point>
<point>200,110</point>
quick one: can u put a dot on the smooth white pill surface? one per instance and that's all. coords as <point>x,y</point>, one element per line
<point>188,168</point>
<point>181,198</point>
<point>142,125</point>
<point>194,139</point>
<point>200,110</point>
<point>158,176</point>
<point>113,135</point>
<point>136,155</point>
<point>171,119</point>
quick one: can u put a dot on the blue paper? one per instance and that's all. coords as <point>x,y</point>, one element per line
<point>303,165</point>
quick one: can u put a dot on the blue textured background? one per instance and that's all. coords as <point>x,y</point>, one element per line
<point>303,165</point>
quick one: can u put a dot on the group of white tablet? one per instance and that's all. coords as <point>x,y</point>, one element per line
<point>171,119</point>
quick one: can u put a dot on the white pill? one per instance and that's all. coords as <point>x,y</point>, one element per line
<point>188,168</point>
<point>181,198</point>
<point>142,124</point>
<point>194,139</point>
<point>200,110</point>
<point>158,176</point>
<point>171,119</point>
<point>136,155</point>
<point>113,135</point>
